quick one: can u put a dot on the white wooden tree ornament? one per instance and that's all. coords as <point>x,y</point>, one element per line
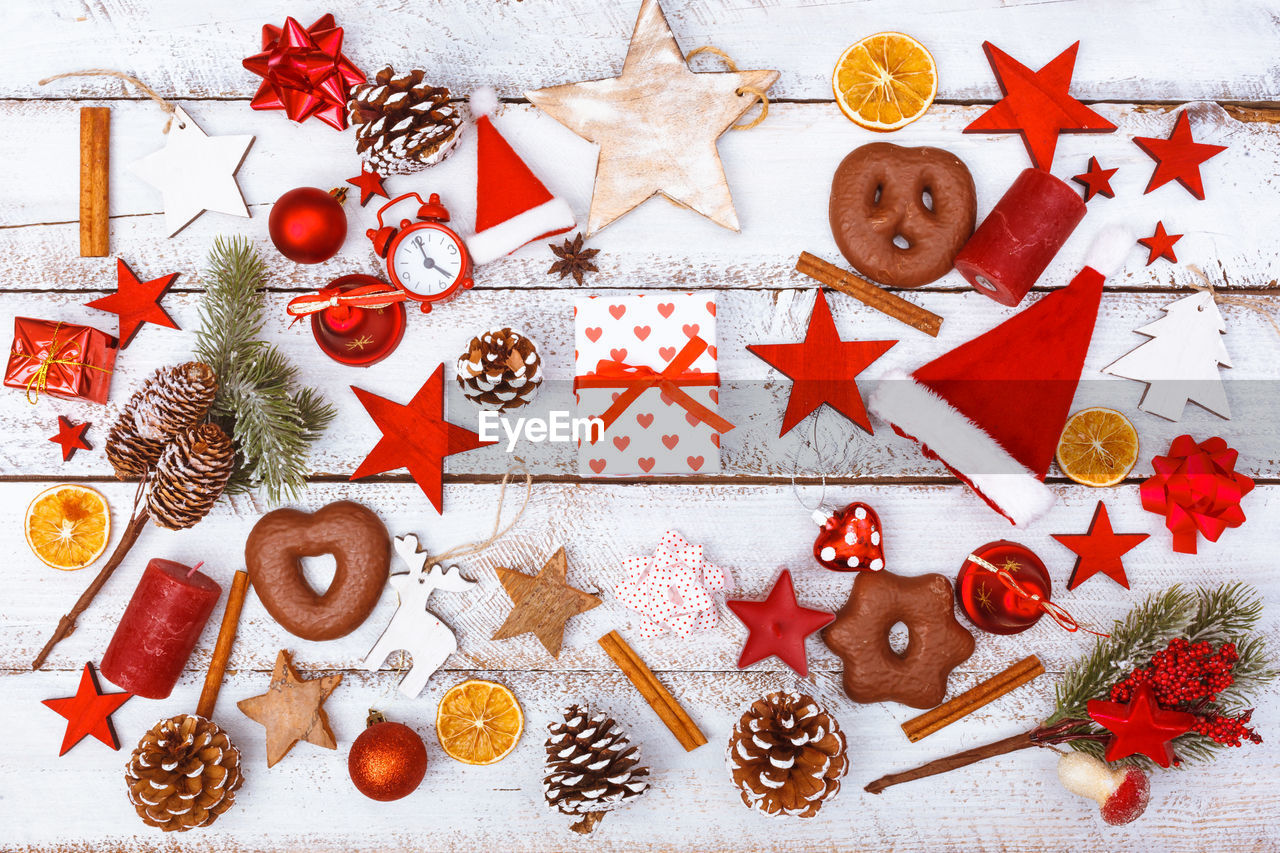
<point>1180,362</point>
<point>413,628</point>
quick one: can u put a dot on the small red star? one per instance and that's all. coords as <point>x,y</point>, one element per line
<point>71,437</point>
<point>823,369</point>
<point>1178,158</point>
<point>1160,244</point>
<point>415,436</point>
<point>370,184</point>
<point>1140,726</point>
<point>136,302</point>
<point>1097,180</point>
<point>1099,550</point>
<point>88,712</point>
<point>778,626</point>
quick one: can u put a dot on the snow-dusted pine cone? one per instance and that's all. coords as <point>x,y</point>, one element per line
<point>190,476</point>
<point>172,399</point>
<point>500,370</point>
<point>402,124</point>
<point>183,774</point>
<point>591,767</point>
<point>787,755</point>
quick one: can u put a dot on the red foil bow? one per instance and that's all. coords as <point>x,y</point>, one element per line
<point>304,72</point>
<point>1056,613</point>
<point>62,359</point>
<point>1197,490</point>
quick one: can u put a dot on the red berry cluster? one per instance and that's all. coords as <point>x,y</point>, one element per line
<point>1230,731</point>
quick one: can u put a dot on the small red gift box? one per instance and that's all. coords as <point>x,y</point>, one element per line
<point>63,359</point>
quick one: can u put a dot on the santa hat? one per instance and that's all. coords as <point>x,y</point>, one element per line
<point>992,409</point>
<point>512,206</point>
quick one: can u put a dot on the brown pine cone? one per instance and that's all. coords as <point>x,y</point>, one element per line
<point>500,370</point>
<point>402,124</point>
<point>183,774</point>
<point>191,474</point>
<point>787,754</point>
<point>591,767</point>
<point>172,399</point>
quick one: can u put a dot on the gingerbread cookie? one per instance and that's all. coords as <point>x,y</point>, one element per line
<point>936,643</point>
<point>901,215</point>
<point>360,545</point>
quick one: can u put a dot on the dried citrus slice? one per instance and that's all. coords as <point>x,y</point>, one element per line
<point>1098,447</point>
<point>885,82</point>
<point>68,526</point>
<point>479,722</point>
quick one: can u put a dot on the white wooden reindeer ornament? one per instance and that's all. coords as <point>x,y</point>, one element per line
<point>413,628</point>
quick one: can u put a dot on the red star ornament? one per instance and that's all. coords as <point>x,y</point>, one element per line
<point>1160,244</point>
<point>1099,550</point>
<point>136,302</point>
<point>370,184</point>
<point>1096,181</point>
<point>823,369</point>
<point>88,712</point>
<point>1140,726</point>
<point>1178,158</point>
<point>304,72</point>
<point>415,436</point>
<point>1036,104</point>
<point>778,626</point>
<point>71,437</point>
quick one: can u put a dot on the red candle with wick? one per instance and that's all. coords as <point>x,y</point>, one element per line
<point>992,605</point>
<point>159,629</point>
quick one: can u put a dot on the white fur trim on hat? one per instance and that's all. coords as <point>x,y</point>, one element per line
<point>545,220</point>
<point>1109,248</point>
<point>483,101</point>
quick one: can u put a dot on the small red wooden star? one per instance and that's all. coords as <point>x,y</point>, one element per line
<point>415,436</point>
<point>370,184</point>
<point>1100,549</point>
<point>71,437</point>
<point>779,626</point>
<point>1036,104</point>
<point>88,712</point>
<point>1160,244</point>
<point>823,369</point>
<point>1178,158</point>
<point>1140,726</point>
<point>136,302</point>
<point>1096,181</point>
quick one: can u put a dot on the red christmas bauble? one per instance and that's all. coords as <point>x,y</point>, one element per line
<point>307,225</point>
<point>850,539</point>
<point>387,761</point>
<point>358,336</point>
<point>989,603</point>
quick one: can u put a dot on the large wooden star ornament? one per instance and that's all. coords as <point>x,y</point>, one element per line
<point>1140,726</point>
<point>1178,158</point>
<point>88,712</point>
<point>291,709</point>
<point>1099,550</point>
<point>542,603</point>
<point>136,302</point>
<point>656,124</point>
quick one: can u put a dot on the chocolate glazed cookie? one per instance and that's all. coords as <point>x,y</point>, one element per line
<point>878,196</point>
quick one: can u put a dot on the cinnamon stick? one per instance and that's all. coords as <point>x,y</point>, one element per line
<point>222,649</point>
<point>974,698</point>
<point>953,762</point>
<point>869,294</point>
<point>95,137</point>
<point>658,697</point>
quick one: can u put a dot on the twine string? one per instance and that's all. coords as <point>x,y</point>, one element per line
<point>1223,299</point>
<point>741,90</point>
<point>168,107</point>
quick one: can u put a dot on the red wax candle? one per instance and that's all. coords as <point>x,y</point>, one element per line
<point>1020,236</point>
<point>159,629</point>
<point>990,603</point>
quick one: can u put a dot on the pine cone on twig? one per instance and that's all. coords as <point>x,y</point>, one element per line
<point>402,124</point>
<point>172,399</point>
<point>183,774</point>
<point>591,767</point>
<point>500,370</point>
<point>190,476</point>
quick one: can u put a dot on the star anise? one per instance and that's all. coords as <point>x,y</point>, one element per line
<point>574,260</point>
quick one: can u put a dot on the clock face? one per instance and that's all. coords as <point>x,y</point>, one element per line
<point>427,261</point>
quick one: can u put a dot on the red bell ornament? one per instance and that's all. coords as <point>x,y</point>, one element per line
<point>992,604</point>
<point>850,539</point>
<point>308,225</point>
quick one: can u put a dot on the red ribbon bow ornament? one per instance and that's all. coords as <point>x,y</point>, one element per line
<point>1197,489</point>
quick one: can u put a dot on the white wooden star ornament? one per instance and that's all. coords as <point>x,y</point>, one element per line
<point>195,172</point>
<point>656,124</point>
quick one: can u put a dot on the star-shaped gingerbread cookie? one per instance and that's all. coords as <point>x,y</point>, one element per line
<point>291,709</point>
<point>542,603</point>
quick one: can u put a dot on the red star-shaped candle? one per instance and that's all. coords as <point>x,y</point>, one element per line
<point>370,184</point>
<point>1099,550</point>
<point>71,437</point>
<point>1036,104</point>
<point>1096,181</point>
<point>304,72</point>
<point>415,436</point>
<point>1140,726</point>
<point>136,302</point>
<point>1160,244</point>
<point>778,626</point>
<point>88,712</point>
<point>823,369</point>
<point>1178,158</point>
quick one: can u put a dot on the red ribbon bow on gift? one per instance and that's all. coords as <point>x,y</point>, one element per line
<point>1056,613</point>
<point>637,379</point>
<point>1197,490</point>
<point>304,72</point>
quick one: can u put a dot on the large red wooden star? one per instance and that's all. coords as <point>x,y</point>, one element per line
<point>1036,104</point>
<point>71,437</point>
<point>136,302</point>
<point>88,712</point>
<point>1140,726</point>
<point>779,626</point>
<point>823,369</point>
<point>1099,550</point>
<point>415,436</point>
<point>1160,244</point>
<point>1178,158</point>
<point>1096,181</point>
<point>370,184</point>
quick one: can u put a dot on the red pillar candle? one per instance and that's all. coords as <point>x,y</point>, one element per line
<point>1020,236</point>
<point>159,629</point>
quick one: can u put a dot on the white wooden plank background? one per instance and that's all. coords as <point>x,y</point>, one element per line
<point>779,174</point>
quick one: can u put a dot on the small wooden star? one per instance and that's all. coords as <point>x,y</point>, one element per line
<point>71,437</point>
<point>291,709</point>
<point>1099,550</point>
<point>370,184</point>
<point>1096,181</point>
<point>88,712</point>
<point>778,626</point>
<point>1160,244</point>
<point>541,604</point>
<point>1178,158</point>
<point>1141,726</point>
<point>136,302</point>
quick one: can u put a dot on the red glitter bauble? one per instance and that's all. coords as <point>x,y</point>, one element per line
<point>387,761</point>
<point>989,603</point>
<point>308,225</point>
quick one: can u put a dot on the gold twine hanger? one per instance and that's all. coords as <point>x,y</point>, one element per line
<point>741,90</point>
<point>168,107</point>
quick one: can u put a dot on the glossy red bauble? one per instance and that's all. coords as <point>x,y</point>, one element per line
<point>307,225</point>
<point>387,761</point>
<point>850,539</point>
<point>989,603</point>
<point>357,336</point>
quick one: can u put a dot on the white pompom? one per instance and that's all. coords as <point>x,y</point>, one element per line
<point>483,101</point>
<point>1107,252</point>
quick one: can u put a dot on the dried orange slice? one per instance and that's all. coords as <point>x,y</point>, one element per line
<point>1098,447</point>
<point>479,722</point>
<point>68,526</point>
<point>885,82</point>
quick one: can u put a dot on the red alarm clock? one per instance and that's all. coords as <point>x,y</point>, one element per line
<point>426,260</point>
